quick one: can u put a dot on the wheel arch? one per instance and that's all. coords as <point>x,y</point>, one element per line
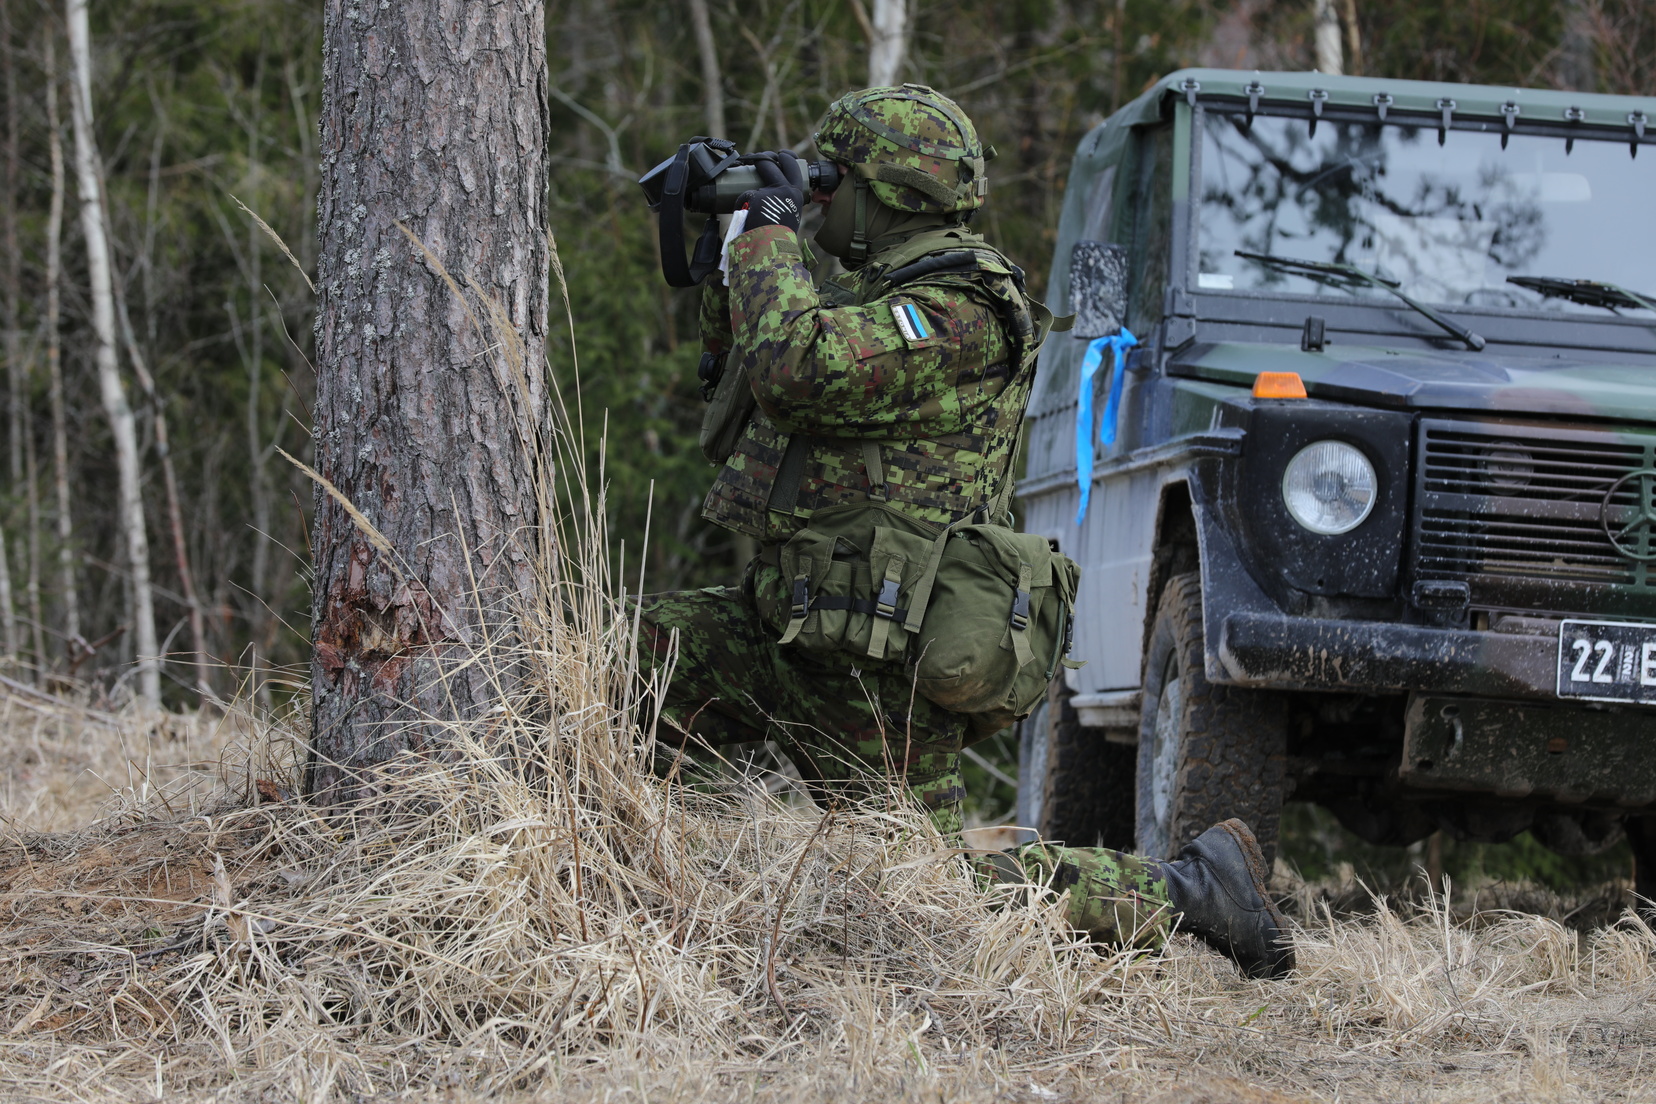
<point>1177,550</point>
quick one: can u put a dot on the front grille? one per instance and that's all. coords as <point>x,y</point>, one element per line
<point>1519,513</point>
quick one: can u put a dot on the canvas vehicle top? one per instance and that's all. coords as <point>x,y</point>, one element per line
<point>1416,580</point>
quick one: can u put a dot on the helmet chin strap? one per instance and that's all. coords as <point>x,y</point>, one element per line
<point>859,224</point>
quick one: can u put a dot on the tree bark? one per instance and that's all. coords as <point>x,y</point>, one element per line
<point>121,421</point>
<point>434,116</point>
<point>889,49</point>
<point>68,592</point>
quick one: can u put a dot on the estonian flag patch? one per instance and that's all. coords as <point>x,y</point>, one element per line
<point>910,321</point>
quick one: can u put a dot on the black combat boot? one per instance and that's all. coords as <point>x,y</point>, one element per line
<point>1218,886</point>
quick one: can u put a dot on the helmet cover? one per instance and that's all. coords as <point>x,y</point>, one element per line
<point>913,145</point>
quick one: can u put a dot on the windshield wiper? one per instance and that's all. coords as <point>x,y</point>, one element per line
<point>1358,275</point>
<point>1591,293</point>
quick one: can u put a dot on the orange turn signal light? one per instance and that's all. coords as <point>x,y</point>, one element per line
<point>1279,385</point>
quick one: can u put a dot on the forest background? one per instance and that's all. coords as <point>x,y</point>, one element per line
<point>205,112</point>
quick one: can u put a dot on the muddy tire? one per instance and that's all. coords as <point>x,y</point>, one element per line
<point>1084,793</point>
<point>1206,752</point>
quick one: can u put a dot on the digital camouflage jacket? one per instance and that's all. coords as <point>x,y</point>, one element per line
<point>936,371</point>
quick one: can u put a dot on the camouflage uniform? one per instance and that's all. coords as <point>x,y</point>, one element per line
<point>833,370</point>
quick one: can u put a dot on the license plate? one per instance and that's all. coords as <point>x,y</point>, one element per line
<point>1613,661</point>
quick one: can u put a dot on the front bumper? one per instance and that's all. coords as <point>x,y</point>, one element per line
<point>1265,649</point>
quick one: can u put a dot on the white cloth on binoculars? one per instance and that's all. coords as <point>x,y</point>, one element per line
<point>738,223</point>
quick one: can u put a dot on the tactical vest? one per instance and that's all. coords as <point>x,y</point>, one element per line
<point>772,481</point>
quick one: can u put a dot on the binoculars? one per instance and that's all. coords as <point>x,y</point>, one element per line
<point>708,176</point>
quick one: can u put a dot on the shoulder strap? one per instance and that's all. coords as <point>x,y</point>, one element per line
<point>1003,497</point>
<point>784,493</point>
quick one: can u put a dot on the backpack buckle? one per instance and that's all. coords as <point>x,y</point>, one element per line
<point>801,598</point>
<point>886,604</point>
<point>1020,611</point>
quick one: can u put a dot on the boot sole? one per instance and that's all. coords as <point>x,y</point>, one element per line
<point>1283,962</point>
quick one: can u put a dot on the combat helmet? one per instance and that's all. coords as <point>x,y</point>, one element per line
<point>913,146</point>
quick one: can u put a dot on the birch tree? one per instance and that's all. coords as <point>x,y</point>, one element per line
<point>122,423</point>
<point>68,592</point>
<point>434,118</point>
<point>1327,20</point>
<point>889,46</point>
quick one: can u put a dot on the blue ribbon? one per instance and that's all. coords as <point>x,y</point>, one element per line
<point>1118,344</point>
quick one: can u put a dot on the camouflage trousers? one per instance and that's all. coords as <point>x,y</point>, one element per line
<point>857,732</point>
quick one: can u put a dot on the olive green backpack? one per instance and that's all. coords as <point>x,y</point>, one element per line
<point>982,613</point>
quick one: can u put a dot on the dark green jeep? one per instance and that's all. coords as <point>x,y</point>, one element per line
<point>1372,516</point>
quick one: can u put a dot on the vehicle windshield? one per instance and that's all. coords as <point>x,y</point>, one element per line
<point>1451,222</point>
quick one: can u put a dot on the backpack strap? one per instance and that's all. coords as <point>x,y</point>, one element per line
<point>877,489</point>
<point>921,597</point>
<point>784,492</point>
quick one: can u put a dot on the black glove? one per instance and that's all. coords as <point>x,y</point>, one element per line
<point>782,198</point>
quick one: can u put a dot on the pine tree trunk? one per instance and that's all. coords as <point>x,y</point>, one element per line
<point>121,421</point>
<point>433,116</point>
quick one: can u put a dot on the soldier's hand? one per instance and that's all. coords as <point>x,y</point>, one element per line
<point>780,200</point>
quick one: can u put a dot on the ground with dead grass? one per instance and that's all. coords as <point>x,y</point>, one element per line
<point>567,922</point>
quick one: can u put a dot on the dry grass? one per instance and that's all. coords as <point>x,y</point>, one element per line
<point>563,923</point>
<point>63,763</point>
<point>539,913</point>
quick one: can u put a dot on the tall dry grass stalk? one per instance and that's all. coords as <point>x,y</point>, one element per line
<point>539,912</point>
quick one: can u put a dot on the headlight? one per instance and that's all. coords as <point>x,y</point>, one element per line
<point>1329,487</point>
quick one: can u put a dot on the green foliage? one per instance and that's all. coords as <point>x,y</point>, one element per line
<point>193,102</point>
<point>1479,41</point>
<point>199,100</point>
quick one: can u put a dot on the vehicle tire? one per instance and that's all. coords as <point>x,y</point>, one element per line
<point>1086,786</point>
<point>1206,753</point>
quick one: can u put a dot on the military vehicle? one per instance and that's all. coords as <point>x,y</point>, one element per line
<point>1371,510</point>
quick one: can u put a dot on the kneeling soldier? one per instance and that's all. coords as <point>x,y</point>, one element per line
<point>895,391</point>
